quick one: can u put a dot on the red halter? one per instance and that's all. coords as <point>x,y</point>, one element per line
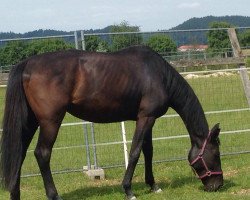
<point>200,157</point>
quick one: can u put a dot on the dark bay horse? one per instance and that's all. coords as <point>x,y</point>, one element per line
<point>132,84</point>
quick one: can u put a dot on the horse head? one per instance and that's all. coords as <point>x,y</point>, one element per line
<point>205,161</point>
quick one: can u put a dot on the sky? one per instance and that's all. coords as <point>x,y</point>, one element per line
<point>21,16</point>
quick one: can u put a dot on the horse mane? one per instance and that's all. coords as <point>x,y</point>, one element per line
<point>185,102</point>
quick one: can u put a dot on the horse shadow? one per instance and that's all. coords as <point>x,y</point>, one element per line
<point>138,187</point>
<point>101,191</point>
<point>180,182</point>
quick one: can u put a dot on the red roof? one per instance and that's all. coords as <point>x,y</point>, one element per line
<point>196,47</point>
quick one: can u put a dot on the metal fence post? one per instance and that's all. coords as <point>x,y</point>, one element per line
<point>96,173</point>
<point>94,145</point>
<point>125,147</point>
<point>85,132</point>
<point>245,82</point>
<point>76,40</point>
<point>83,40</point>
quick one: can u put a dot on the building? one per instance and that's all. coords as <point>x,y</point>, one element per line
<point>196,47</point>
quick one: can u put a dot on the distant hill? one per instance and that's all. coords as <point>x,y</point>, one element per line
<point>200,37</point>
<point>203,22</point>
<point>47,32</point>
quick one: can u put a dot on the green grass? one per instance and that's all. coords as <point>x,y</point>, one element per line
<point>175,178</point>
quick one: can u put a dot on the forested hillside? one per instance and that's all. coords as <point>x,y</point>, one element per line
<point>41,33</point>
<point>203,22</point>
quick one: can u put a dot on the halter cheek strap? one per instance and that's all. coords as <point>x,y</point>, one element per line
<point>200,157</point>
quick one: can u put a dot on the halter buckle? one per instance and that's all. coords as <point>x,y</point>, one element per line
<point>209,173</point>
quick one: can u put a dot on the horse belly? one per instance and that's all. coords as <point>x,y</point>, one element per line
<point>101,112</point>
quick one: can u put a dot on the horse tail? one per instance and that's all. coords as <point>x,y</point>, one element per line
<point>14,124</point>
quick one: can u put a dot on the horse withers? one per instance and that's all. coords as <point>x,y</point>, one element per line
<point>132,84</point>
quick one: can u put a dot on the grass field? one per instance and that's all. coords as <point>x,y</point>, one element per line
<point>215,93</point>
<point>175,178</point>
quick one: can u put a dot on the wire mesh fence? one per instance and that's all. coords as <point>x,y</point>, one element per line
<point>220,92</point>
<point>189,45</point>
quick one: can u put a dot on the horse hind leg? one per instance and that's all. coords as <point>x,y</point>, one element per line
<point>47,137</point>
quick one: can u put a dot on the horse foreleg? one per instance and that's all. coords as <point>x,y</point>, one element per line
<point>147,148</point>
<point>143,126</point>
<point>46,140</point>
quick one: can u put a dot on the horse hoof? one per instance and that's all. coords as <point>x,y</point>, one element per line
<point>130,198</point>
<point>56,198</point>
<point>156,189</point>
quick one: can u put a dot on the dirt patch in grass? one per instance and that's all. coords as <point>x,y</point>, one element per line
<point>217,74</point>
<point>242,192</point>
<point>235,172</point>
<point>231,173</point>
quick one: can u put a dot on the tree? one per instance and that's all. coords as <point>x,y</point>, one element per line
<point>102,46</point>
<point>245,39</point>
<point>218,40</point>
<point>91,43</point>
<point>14,52</point>
<point>95,43</point>
<point>119,41</point>
<point>162,44</point>
<point>48,45</point>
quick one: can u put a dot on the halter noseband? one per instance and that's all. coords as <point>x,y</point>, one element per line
<point>200,157</point>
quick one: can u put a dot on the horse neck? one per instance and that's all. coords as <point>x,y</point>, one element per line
<point>186,104</point>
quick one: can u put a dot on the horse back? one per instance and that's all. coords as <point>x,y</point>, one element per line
<point>99,87</point>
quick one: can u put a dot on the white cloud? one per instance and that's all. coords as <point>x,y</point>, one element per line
<point>189,5</point>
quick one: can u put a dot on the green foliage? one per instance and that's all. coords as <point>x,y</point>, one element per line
<point>120,41</point>
<point>218,40</point>
<point>102,47</point>
<point>13,52</point>
<point>245,39</point>
<point>95,43</point>
<point>162,44</point>
<point>49,45</point>
<point>16,51</point>
<point>247,61</point>
<point>91,43</point>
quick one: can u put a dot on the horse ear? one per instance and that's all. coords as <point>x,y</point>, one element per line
<point>215,131</point>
